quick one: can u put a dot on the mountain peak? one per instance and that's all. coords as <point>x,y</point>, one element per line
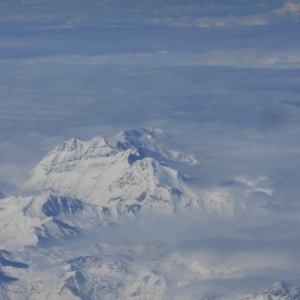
<point>68,145</point>
<point>278,289</point>
<point>98,142</point>
<point>144,140</point>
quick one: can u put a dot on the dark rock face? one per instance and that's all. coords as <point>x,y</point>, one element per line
<point>7,261</point>
<point>56,205</point>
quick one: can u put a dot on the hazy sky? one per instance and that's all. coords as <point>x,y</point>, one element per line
<point>222,77</point>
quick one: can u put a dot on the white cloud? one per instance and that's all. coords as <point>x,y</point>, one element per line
<point>208,22</point>
<point>231,20</point>
<point>245,58</point>
<point>289,7</point>
<point>257,19</point>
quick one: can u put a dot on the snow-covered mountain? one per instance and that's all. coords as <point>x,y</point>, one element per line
<point>80,185</point>
<point>127,176</point>
<point>133,173</point>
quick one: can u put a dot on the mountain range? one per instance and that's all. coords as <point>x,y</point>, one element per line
<point>73,234</point>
